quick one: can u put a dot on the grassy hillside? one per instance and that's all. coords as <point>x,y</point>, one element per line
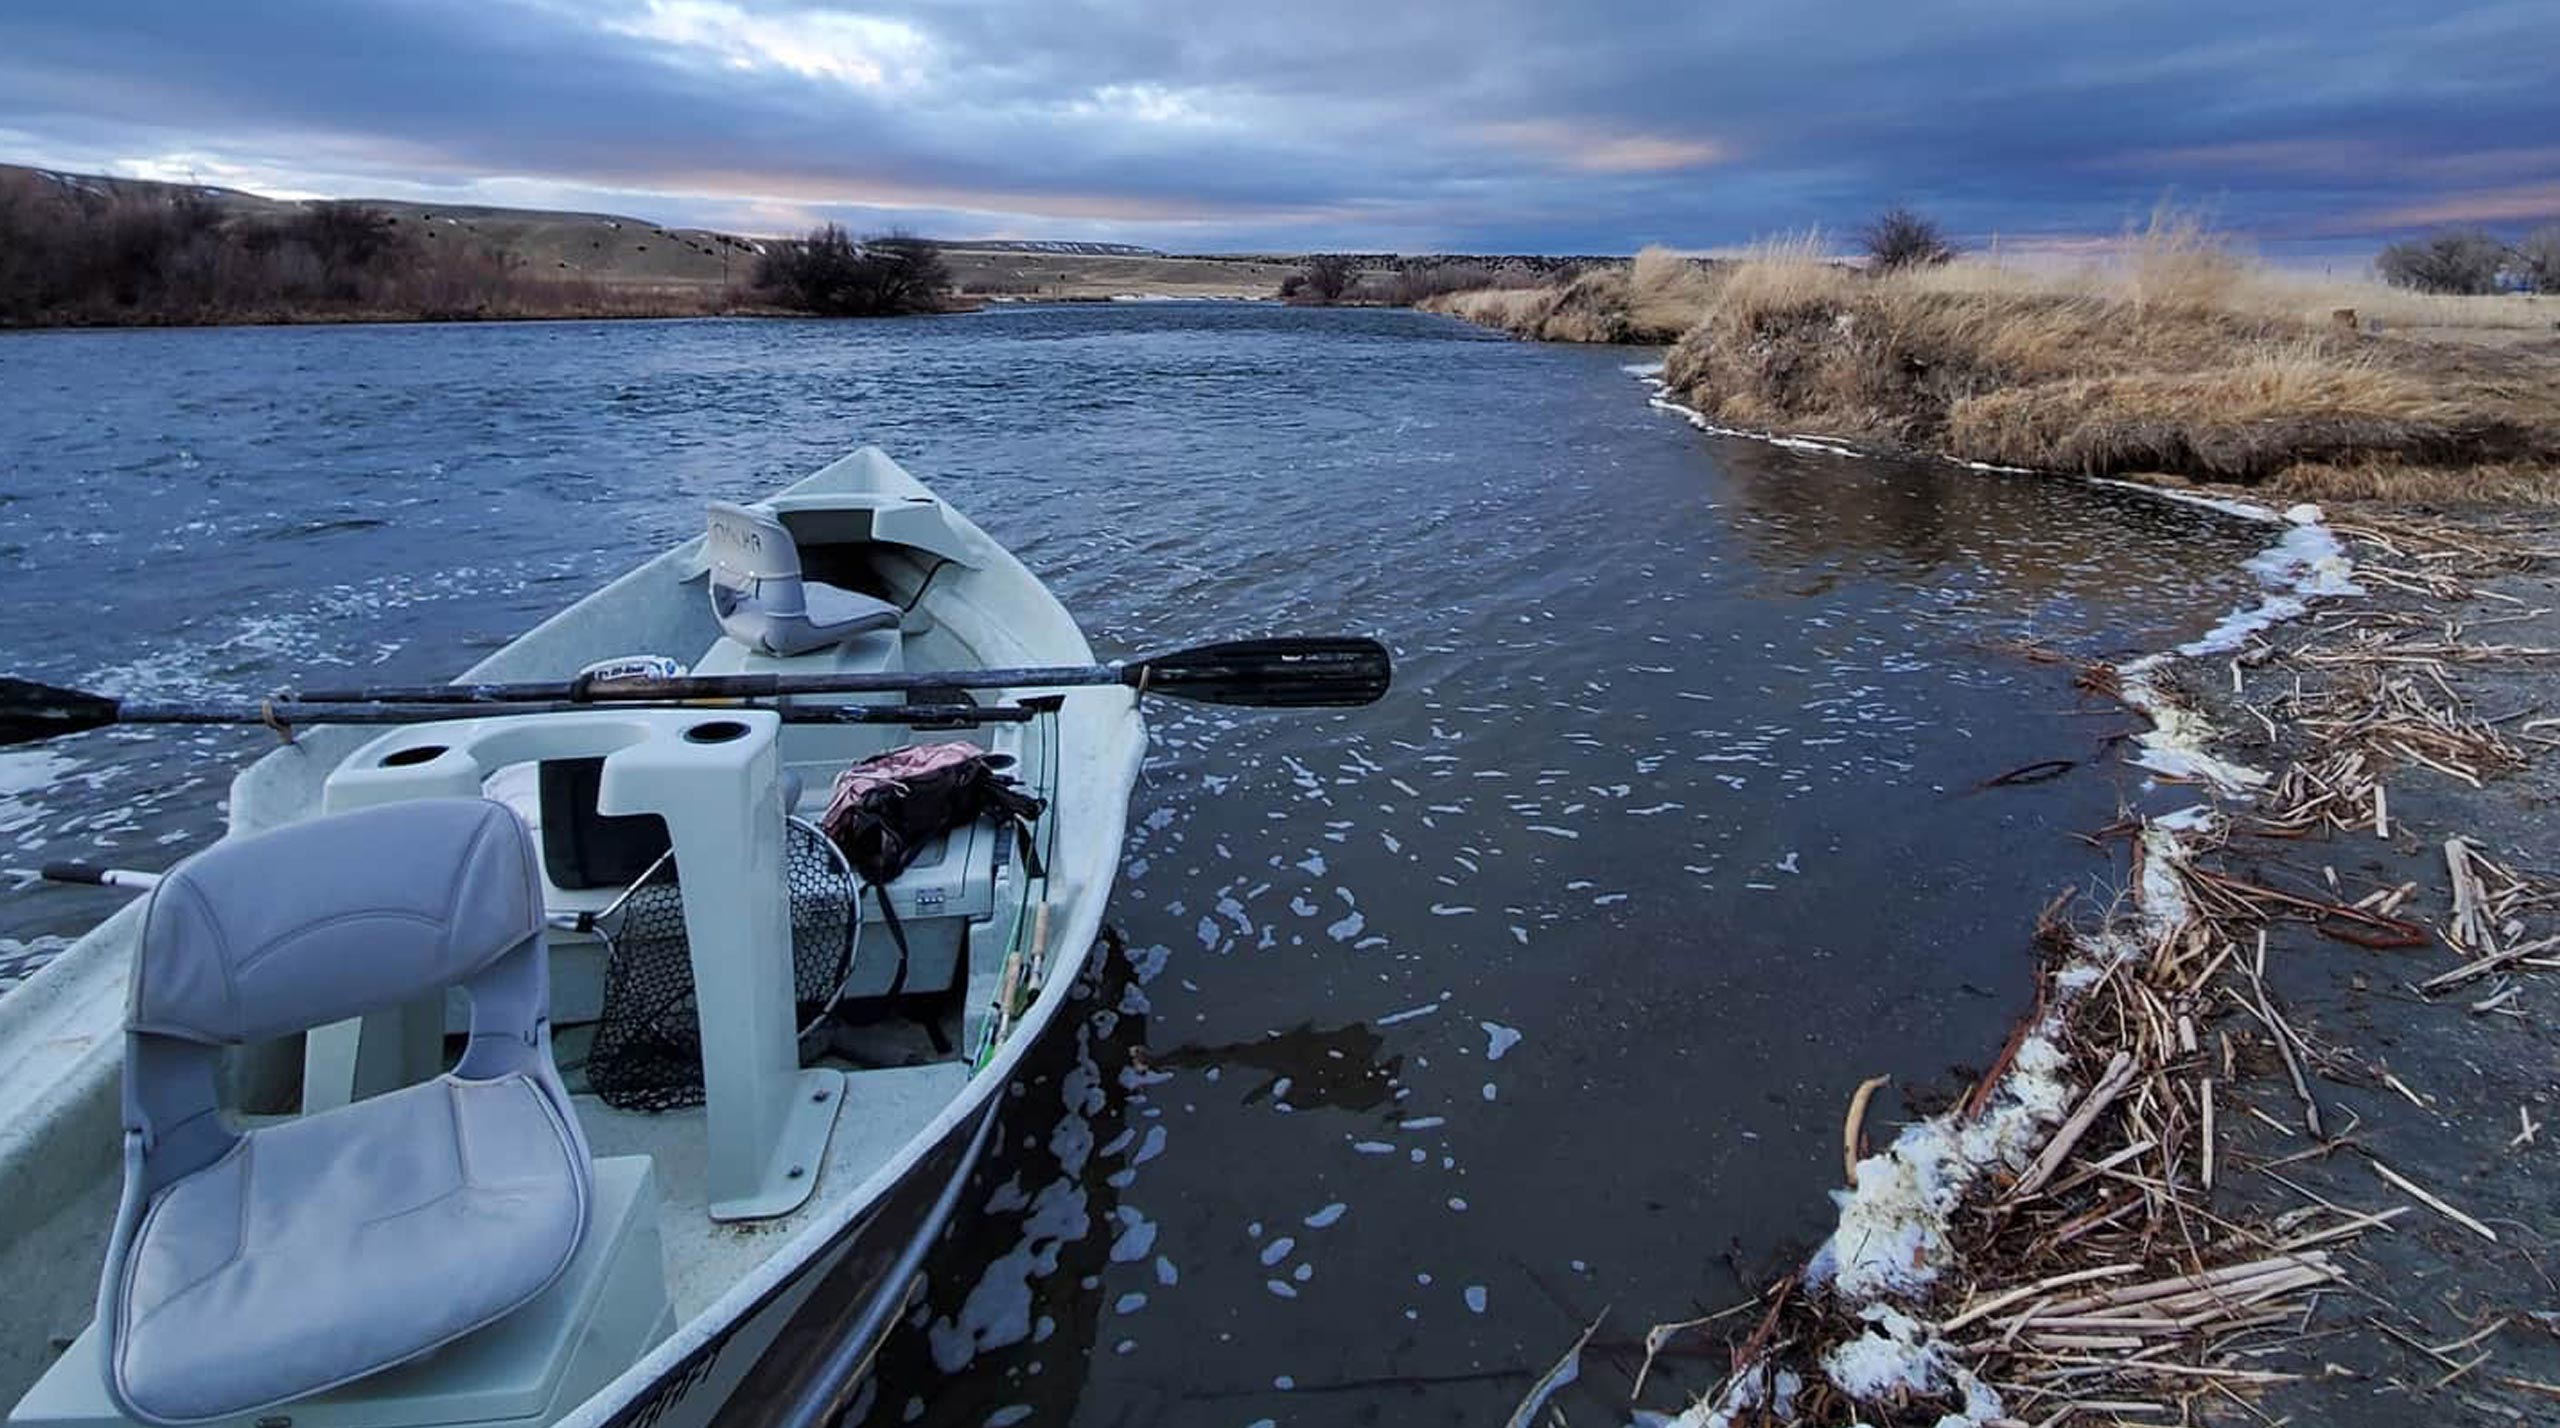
<point>617,261</point>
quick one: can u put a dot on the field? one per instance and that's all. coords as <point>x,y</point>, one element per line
<point>1019,273</point>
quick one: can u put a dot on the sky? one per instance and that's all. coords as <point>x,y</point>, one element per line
<point>2312,130</point>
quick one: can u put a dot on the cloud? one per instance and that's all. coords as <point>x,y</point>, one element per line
<point>1596,150</point>
<point>2517,203</point>
<point>1494,125</point>
<point>859,50</point>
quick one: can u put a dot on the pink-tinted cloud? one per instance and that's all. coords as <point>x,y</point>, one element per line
<point>1589,148</point>
<point>2517,203</point>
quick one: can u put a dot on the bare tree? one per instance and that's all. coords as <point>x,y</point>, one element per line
<point>1900,238</point>
<point>1327,278</point>
<point>2537,258</point>
<point>2460,261</point>
<point>830,274</point>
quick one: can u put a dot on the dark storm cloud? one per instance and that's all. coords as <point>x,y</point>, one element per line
<point>1491,125</point>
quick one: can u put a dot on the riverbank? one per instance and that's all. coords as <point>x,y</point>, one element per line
<point>2182,363</point>
<point>2272,1141</point>
<point>2269,1143</point>
<point>2309,1014</point>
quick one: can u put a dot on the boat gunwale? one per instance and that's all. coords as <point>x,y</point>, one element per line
<point>95,970</point>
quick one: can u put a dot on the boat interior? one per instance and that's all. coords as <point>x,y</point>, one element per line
<point>694,917</point>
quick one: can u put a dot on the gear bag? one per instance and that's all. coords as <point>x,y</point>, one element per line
<point>887,807</point>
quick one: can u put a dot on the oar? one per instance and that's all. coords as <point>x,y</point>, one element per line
<point>88,874</point>
<point>30,713</point>
<point>1273,673</point>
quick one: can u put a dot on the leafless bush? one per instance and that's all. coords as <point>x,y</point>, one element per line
<point>831,275</point>
<point>2459,261</point>
<point>1327,278</point>
<point>1417,283</point>
<point>80,254</point>
<point>2537,259</point>
<point>1900,238</point>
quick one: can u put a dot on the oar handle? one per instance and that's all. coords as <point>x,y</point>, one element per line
<point>91,875</point>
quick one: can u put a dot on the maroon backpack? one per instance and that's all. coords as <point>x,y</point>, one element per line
<point>887,807</point>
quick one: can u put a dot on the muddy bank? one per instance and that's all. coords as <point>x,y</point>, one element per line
<point>2419,1067</point>
<point>2274,1141</point>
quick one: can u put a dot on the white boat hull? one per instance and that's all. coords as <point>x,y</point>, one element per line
<point>786,1341</point>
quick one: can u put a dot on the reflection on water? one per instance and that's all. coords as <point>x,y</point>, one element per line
<point>1535,989</point>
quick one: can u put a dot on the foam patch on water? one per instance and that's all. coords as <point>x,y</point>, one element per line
<point>1742,1401</point>
<point>23,958</point>
<point>1819,445</point>
<point>1892,1241</point>
<point>2306,562</point>
<point>2177,744</point>
<point>24,772</point>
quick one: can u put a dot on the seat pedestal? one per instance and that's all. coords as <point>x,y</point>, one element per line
<point>714,775</point>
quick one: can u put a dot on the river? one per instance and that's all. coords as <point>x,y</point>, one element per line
<point>1536,990</point>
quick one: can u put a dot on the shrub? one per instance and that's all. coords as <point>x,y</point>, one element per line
<point>2180,261</point>
<point>1327,278</point>
<point>93,252</point>
<point>2461,261</point>
<point>1420,281</point>
<point>2537,259</point>
<point>1900,238</point>
<point>831,275</point>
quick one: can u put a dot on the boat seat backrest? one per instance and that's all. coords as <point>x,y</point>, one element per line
<point>250,1268</point>
<point>760,596</point>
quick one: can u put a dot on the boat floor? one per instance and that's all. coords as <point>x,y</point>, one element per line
<point>52,1274</point>
<point>883,1109</point>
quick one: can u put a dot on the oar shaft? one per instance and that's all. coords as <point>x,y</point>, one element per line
<point>298,712</point>
<point>693,687</point>
<point>1279,673</point>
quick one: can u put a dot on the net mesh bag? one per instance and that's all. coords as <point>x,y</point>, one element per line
<point>647,1054</point>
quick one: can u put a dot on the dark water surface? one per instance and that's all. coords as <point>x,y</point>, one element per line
<point>1537,989</point>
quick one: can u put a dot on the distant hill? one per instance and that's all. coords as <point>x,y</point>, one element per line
<point>1048,245</point>
<point>611,248</point>
<point>625,263</point>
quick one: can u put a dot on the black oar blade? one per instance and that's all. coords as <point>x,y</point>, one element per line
<point>1290,673</point>
<point>32,712</point>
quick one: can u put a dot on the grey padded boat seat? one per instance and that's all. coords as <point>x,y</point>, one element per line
<point>250,1268</point>
<point>760,598</point>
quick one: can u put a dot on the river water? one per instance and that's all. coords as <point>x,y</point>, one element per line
<point>1534,991</point>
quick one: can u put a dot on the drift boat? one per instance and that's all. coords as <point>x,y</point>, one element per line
<point>536,1062</point>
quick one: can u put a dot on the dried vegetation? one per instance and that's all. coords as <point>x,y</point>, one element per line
<point>76,252</point>
<point>1650,300</point>
<point>2158,1257</point>
<point>2180,359</point>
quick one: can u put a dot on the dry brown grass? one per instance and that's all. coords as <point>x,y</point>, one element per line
<point>2483,486</point>
<point>1666,292</point>
<point>1519,311</point>
<point>1651,300</point>
<point>2248,290</point>
<point>2182,358</point>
